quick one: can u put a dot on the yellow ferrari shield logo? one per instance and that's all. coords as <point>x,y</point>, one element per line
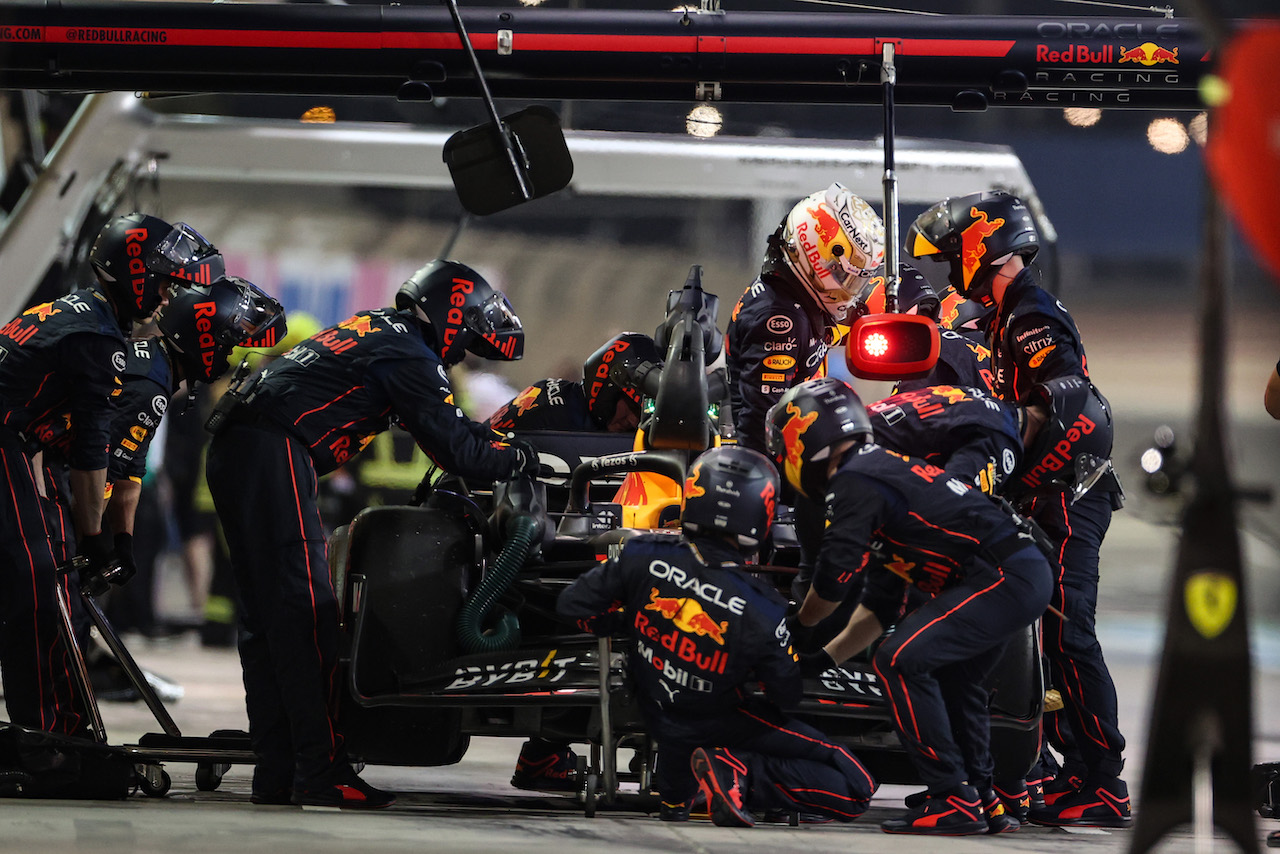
<point>1210,599</point>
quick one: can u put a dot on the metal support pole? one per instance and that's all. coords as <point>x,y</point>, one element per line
<point>892,268</point>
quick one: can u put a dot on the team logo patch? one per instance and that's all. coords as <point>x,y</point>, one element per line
<point>779,363</point>
<point>1008,460</point>
<point>779,324</point>
<point>159,404</point>
<point>117,361</point>
<point>1038,359</point>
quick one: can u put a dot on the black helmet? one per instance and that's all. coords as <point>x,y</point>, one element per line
<point>731,490</point>
<point>136,257</point>
<point>1072,449</point>
<point>203,324</point>
<point>963,315</point>
<point>806,421</point>
<point>464,311</point>
<point>606,374</point>
<point>915,294</point>
<point>977,234</point>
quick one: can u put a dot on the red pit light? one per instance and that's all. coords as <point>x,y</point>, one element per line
<point>892,347</point>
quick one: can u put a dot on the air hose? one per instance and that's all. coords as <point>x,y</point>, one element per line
<point>522,532</point>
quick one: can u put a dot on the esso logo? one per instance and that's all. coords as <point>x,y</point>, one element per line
<point>779,324</point>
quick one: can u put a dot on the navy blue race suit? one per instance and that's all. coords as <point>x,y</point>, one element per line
<point>550,404</point>
<point>971,435</point>
<point>310,411</point>
<point>1034,339</point>
<point>59,373</point>
<point>777,338</point>
<point>962,361</point>
<point>894,521</point>
<point>703,629</point>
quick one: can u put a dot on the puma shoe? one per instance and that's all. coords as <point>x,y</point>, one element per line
<point>346,791</point>
<point>953,812</point>
<point>1060,786</point>
<point>1015,795</point>
<point>1099,802</point>
<point>722,778</point>
<point>999,819</point>
<point>546,767</point>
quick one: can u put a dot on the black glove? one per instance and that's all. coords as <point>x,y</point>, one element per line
<point>527,462</point>
<point>814,664</point>
<point>100,552</point>
<point>801,635</point>
<point>124,554</point>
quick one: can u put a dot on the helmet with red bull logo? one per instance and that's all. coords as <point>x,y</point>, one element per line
<point>976,234</point>
<point>1071,450</point>
<point>833,242</point>
<point>806,422</point>
<point>139,259</point>
<point>732,491</point>
<point>962,315</point>
<point>203,324</point>
<point>464,313</point>
<point>915,294</point>
<point>607,379</point>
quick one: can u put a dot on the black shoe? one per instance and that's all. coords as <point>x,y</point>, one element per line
<point>1059,787</point>
<point>999,819</point>
<point>674,812</point>
<point>348,792</point>
<point>544,767</point>
<point>1099,802</point>
<point>723,778</point>
<point>272,797</point>
<point>1015,795</point>
<point>954,812</point>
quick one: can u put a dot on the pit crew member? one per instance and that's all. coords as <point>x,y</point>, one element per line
<point>302,416</point>
<point>899,521</point>
<point>703,629</point>
<point>988,240</point>
<point>59,375</point>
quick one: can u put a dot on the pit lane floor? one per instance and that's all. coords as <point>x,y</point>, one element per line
<point>471,807</point>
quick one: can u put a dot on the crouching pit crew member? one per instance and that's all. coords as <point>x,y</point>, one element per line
<point>302,416</point>
<point>895,521</point>
<point>703,629</point>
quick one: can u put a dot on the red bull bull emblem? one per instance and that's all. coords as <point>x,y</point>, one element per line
<point>687,615</point>
<point>973,242</point>
<point>825,224</point>
<point>791,433</point>
<point>691,488</point>
<point>951,393</point>
<point>43,311</point>
<point>525,400</point>
<point>1148,53</point>
<point>360,324</point>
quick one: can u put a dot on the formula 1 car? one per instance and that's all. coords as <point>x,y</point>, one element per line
<point>448,607</point>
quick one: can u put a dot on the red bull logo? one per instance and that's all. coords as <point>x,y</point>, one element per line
<point>691,488</point>
<point>360,324</point>
<point>525,400</point>
<point>825,224</point>
<point>1060,455</point>
<point>950,393</point>
<point>770,498</point>
<point>204,311</point>
<point>973,242</point>
<point>601,379</point>
<point>133,240</point>
<point>453,318</point>
<point>795,427</point>
<point>43,312</point>
<point>1148,53</point>
<point>687,615</point>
